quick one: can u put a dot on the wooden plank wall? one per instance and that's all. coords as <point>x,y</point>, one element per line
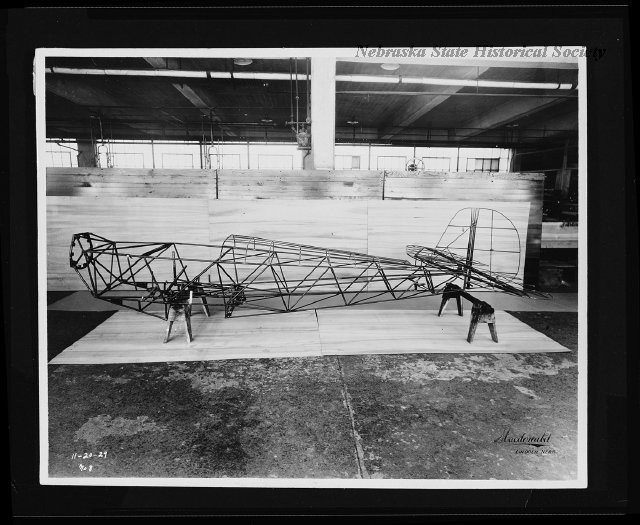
<point>381,228</point>
<point>299,184</point>
<point>489,187</point>
<point>392,225</point>
<point>114,182</point>
<point>205,206</point>
<point>131,219</point>
<point>329,224</point>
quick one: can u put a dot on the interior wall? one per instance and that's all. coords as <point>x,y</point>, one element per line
<point>372,212</point>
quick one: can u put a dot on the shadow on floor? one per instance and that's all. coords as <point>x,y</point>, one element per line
<point>54,297</point>
<point>562,327</point>
<point>65,328</point>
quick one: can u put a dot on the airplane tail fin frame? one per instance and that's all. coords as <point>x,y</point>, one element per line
<point>472,249</point>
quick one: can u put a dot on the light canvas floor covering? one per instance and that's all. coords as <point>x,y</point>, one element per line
<point>131,337</point>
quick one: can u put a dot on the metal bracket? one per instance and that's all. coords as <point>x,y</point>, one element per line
<point>236,299</point>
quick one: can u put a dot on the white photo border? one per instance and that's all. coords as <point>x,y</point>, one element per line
<point>578,56</point>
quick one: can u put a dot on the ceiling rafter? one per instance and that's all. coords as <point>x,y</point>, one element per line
<point>505,113</point>
<point>187,92</point>
<point>417,108</point>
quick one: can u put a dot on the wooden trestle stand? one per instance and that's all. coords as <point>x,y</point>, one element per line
<point>183,310</point>
<point>481,312</point>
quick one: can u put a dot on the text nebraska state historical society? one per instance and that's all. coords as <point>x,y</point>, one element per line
<point>482,52</point>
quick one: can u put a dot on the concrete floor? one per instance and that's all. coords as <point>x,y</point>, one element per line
<point>416,416</point>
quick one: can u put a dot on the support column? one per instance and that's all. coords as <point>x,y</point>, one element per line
<point>307,160</point>
<point>323,113</point>
<point>563,178</point>
<point>515,161</point>
<point>86,154</point>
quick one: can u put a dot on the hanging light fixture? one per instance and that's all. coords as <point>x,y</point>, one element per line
<point>389,66</point>
<point>242,61</point>
<point>353,122</point>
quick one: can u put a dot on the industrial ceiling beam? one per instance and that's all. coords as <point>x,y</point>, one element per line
<point>556,125</point>
<point>364,92</point>
<point>79,93</point>
<point>195,99</point>
<point>469,62</point>
<point>416,108</point>
<point>83,95</point>
<point>188,93</point>
<point>156,62</point>
<point>504,114</point>
<point>361,78</point>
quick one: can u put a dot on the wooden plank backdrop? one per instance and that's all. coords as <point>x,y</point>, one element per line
<point>391,225</point>
<point>131,219</point>
<point>337,224</point>
<point>477,186</point>
<point>129,182</point>
<point>329,224</point>
<point>334,209</point>
<point>299,184</point>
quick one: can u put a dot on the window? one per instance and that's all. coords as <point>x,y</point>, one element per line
<point>128,160</point>
<point>347,162</point>
<point>176,155</point>
<point>275,162</point>
<point>483,164</point>
<point>61,155</point>
<point>59,159</point>
<point>437,163</point>
<point>392,163</point>
<point>131,154</point>
<point>224,161</point>
<point>177,160</point>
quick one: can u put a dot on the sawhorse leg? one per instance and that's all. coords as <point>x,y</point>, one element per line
<point>205,306</point>
<point>451,291</point>
<point>187,322</point>
<point>176,311</point>
<point>482,312</point>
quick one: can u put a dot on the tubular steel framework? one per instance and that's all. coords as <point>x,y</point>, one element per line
<point>162,279</point>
